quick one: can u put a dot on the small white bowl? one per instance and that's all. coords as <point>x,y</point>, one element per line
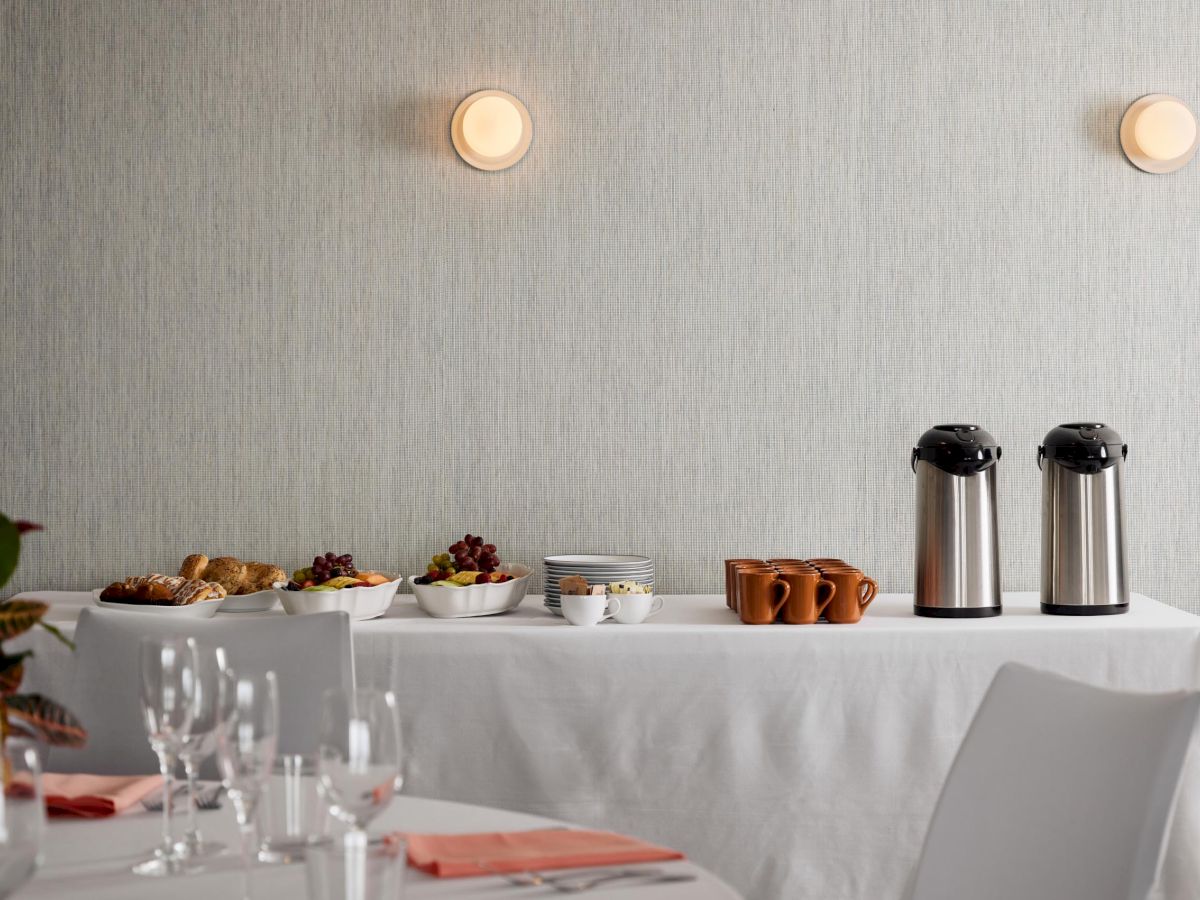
<point>259,601</point>
<point>360,602</point>
<point>204,609</point>
<point>474,599</point>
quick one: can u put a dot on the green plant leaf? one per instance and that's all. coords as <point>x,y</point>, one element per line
<point>12,669</point>
<point>10,548</point>
<point>52,723</point>
<point>18,616</point>
<point>63,639</point>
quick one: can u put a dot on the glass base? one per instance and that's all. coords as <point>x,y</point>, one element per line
<point>162,865</point>
<point>198,850</point>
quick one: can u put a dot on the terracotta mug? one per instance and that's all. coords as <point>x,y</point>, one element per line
<point>810,594</point>
<point>761,595</point>
<point>780,562</point>
<point>753,566</point>
<point>854,592</point>
<point>824,562</point>
<point>730,579</point>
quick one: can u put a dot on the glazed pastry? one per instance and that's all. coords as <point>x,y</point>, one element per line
<point>194,566</point>
<point>162,590</point>
<point>227,572</point>
<point>573,585</point>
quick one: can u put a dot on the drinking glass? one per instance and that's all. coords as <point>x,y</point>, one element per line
<point>358,771</point>
<point>292,817</point>
<point>246,752</point>
<point>22,816</point>
<point>211,708</point>
<point>168,704</point>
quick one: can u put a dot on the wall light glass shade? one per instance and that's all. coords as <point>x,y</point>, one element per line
<point>491,130</point>
<point>1159,133</point>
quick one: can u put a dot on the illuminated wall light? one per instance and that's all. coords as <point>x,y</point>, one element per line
<point>1159,133</point>
<point>491,130</point>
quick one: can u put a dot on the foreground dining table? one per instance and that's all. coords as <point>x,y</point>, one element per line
<point>92,858</point>
<point>793,761</point>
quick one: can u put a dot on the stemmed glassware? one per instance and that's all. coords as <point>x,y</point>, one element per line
<point>211,707</point>
<point>246,743</point>
<point>358,771</point>
<point>168,691</point>
<point>22,816</point>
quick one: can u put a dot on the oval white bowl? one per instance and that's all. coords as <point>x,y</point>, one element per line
<point>259,601</point>
<point>475,599</point>
<point>360,602</point>
<point>205,609</point>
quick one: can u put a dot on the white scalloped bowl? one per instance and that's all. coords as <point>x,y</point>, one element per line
<point>360,602</point>
<point>475,599</point>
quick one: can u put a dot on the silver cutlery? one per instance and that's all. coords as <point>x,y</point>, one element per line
<point>206,798</point>
<point>155,803</point>
<point>577,887</point>
<point>531,878</point>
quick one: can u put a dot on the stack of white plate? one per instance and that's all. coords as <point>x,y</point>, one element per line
<point>597,570</point>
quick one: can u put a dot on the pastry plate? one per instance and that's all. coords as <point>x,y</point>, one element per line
<point>259,601</point>
<point>205,609</point>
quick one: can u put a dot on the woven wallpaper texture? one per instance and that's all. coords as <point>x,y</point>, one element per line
<point>254,303</point>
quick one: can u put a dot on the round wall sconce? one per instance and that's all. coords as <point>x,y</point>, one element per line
<point>1159,134</point>
<point>491,130</point>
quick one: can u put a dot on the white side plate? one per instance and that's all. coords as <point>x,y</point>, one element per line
<point>205,609</point>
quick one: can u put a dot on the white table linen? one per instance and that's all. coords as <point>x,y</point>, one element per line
<point>793,761</point>
<point>91,859</point>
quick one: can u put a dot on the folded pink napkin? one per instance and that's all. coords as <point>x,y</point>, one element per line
<point>95,796</point>
<point>457,855</point>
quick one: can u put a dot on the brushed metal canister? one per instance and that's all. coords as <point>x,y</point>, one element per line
<point>1084,569</point>
<point>957,545</point>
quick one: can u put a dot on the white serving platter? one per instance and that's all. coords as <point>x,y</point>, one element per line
<point>474,599</point>
<point>360,602</point>
<point>204,609</point>
<point>259,601</point>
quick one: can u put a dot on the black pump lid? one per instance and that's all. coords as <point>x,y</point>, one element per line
<point>957,449</point>
<point>1084,447</point>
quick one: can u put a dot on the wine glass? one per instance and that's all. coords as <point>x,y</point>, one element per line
<point>22,816</point>
<point>246,742</point>
<point>168,704</point>
<point>358,771</point>
<point>211,708</point>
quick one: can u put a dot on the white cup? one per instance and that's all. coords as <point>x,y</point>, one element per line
<point>637,608</point>
<point>588,609</point>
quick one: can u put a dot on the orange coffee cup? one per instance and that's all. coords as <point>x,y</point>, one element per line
<point>854,592</point>
<point>730,580</point>
<point>760,596</point>
<point>809,596</point>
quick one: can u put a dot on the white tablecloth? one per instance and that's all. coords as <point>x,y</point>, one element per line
<point>91,860</point>
<point>797,762</point>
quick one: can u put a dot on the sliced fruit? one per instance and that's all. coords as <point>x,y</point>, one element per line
<point>341,581</point>
<point>319,587</point>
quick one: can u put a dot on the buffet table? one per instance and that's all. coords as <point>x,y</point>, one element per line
<point>793,761</point>
<point>92,859</point>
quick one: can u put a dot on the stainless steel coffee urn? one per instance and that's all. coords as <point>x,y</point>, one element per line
<point>1083,533</point>
<point>958,557</point>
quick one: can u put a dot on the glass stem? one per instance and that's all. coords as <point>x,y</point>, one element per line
<point>166,765</point>
<point>247,857</point>
<point>191,837</point>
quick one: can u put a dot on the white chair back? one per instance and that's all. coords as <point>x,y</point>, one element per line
<point>309,654</point>
<point>1060,791</point>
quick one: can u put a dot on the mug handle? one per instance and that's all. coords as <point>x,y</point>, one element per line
<point>821,604</point>
<point>787,589</point>
<point>611,600</point>
<point>655,605</point>
<point>872,590</point>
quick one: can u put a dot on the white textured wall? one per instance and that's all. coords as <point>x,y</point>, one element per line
<point>253,302</point>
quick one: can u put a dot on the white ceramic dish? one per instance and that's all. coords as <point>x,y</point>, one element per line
<point>205,609</point>
<point>360,602</point>
<point>474,599</point>
<point>605,561</point>
<point>259,601</point>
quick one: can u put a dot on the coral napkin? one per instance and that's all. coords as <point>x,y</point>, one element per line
<point>95,796</point>
<point>456,855</point>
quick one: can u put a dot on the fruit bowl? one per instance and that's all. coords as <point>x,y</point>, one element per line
<point>360,602</point>
<point>489,599</point>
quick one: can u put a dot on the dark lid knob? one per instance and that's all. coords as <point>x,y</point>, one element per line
<point>1085,447</point>
<point>957,449</point>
